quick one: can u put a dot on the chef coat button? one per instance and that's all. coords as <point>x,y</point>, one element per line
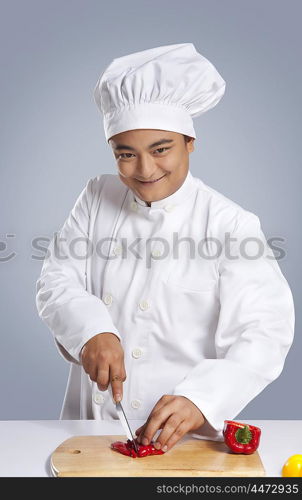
<point>117,250</point>
<point>108,299</point>
<point>169,208</point>
<point>98,398</point>
<point>134,205</point>
<point>156,253</point>
<point>135,403</point>
<point>144,305</point>
<point>137,352</point>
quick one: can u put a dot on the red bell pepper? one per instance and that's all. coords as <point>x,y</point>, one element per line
<point>241,438</point>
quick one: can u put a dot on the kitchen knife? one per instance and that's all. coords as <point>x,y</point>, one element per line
<point>125,424</point>
<point>123,420</point>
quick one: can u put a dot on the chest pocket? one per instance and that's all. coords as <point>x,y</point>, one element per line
<point>192,275</point>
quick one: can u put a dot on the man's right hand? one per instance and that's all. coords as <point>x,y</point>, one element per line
<point>103,360</point>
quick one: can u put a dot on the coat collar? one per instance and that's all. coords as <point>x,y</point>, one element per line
<point>175,198</point>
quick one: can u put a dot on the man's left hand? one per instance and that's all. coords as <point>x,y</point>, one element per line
<point>175,415</point>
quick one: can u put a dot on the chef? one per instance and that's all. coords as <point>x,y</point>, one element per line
<point>159,290</point>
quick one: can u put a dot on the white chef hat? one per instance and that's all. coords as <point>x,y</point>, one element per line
<point>159,88</point>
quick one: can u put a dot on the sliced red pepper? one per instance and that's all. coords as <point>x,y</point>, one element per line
<point>241,438</point>
<point>129,450</point>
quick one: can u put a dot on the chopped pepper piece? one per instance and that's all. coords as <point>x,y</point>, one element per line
<point>241,438</point>
<point>128,448</point>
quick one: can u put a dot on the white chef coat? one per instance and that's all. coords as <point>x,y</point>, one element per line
<point>211,328</point>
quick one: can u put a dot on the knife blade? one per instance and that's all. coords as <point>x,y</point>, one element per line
<point>125,424</point>
<point>123,419</point>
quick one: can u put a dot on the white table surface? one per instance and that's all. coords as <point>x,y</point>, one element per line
<point>26,446</point>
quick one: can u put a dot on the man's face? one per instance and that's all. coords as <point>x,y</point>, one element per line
<point>145,155</point>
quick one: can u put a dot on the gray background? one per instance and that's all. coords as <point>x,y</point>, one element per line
<point>52,142</point>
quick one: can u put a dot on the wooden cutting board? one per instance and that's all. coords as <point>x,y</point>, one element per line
<point>91,456</point>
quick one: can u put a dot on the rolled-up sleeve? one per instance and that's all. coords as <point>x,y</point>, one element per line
<point>255,328</point>
<point>71,313</point>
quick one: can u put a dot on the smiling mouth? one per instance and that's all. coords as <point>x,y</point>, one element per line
<point>152,182</point>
